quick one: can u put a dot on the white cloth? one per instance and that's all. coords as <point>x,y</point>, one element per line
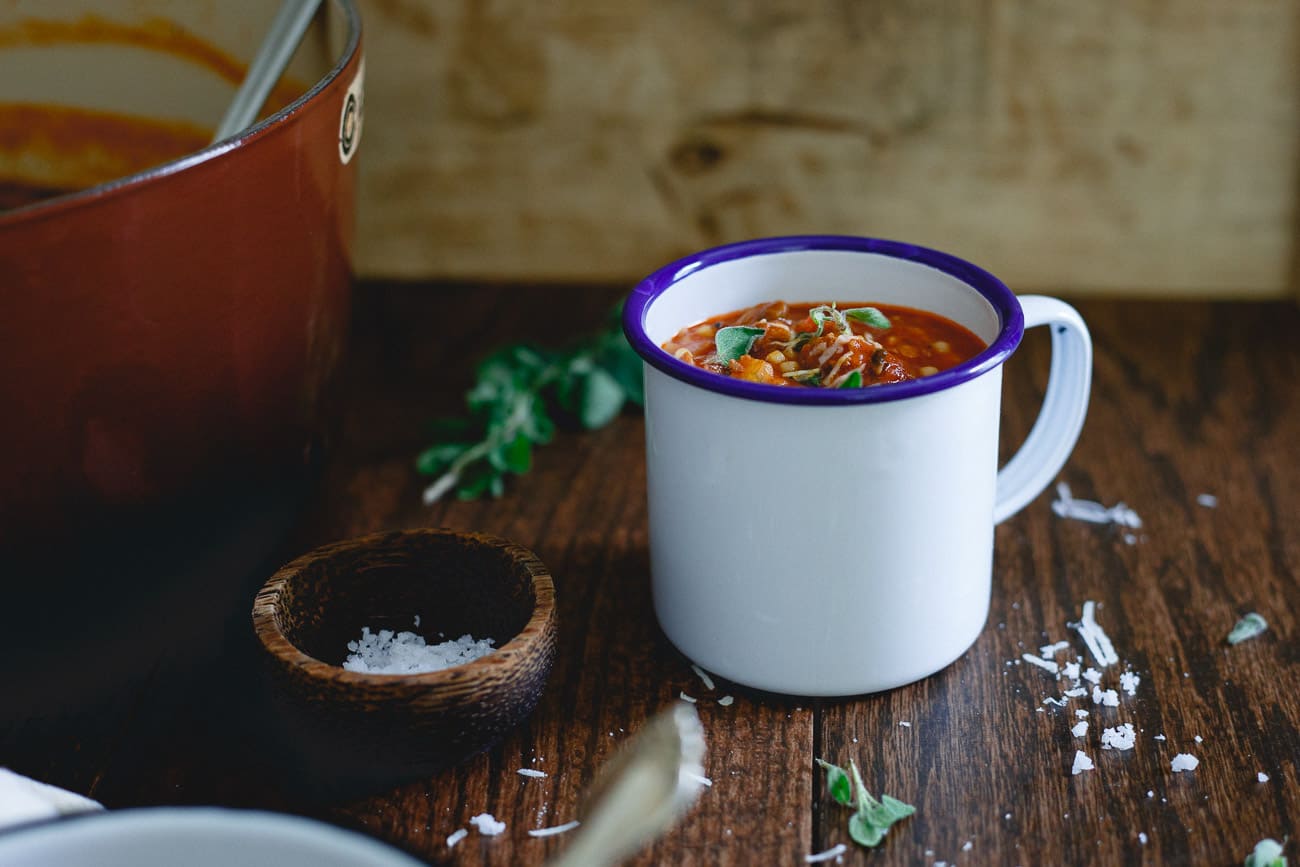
<point>25,800</point>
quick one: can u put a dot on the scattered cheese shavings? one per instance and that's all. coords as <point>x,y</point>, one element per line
<point>1262,777</point>
<point>1184,762</point>
<point>551,832</point>
<point>1081,763</point>
<point>703,676</point>
<point>1080,729</point>
<point>1247,627</point>
<point>1066,506</point>
<point>1119,738</point>
<point>726,700</point>
<point>1107,697</point>
<point>1209,501</point>
<point>833,852</point>
<point>685,697</point>
<point>487,824</point>
<point>1095,637</point>
<point>1045,664</point>
<point>529,772</point>
<point>455,837</point>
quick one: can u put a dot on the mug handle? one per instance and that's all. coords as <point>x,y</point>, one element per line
<point>1064,405</point>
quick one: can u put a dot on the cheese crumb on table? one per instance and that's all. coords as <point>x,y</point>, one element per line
<point>833,852</point>
<point>487,824</point>
<point>1119,738</point>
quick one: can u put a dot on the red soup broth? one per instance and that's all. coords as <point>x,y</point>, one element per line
<point>825,344</point>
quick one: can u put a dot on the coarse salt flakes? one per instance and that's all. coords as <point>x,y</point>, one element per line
<point>455,837</point>
<point>1081,713</point>
<point>1119,738</point>
<point>1081,763</point>
<point>386,652</point>
<point>1142,837</point>
<point>726,700</point>
<point>1128,681</point>
<point>1076,692</point>
<point>551,832</point>
<point>1198,739</point>
<point>685,697</point>
<point>905,724</point>
<point>1051,649</point>
<point>1262,777</point>
<point>1159,738</point>
<point>967,846</point>
<point>487,824</point>
<point>1080,729</point>
<point>1209,501</point>
<point>1071,670</point>
<point>1184,762</point>
<point>1092,675</point>
<point>529,772</point>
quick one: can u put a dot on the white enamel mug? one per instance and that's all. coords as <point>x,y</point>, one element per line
<point>830,542</point>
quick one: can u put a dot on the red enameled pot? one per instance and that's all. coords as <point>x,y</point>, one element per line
<point>175,312</point>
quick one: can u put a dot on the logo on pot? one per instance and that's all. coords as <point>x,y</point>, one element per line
<point>354,112</point>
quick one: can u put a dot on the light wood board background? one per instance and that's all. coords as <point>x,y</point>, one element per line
<point>1143,146</point>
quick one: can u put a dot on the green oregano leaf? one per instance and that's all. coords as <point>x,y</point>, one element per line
<point>871,819</point>
<point>870,315</point>
<point>853,380</point>
<point>837,783</point>
<point>602,398</point>
<point>1247,627</point>
<point>735,341</point>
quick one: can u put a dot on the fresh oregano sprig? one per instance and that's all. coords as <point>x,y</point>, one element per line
<point>513,405</point>
<point>871,819</point>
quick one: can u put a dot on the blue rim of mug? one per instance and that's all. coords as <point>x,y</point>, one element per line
<point>1010,317</point>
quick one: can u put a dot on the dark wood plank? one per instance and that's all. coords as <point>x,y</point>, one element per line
<point>1188,399</point>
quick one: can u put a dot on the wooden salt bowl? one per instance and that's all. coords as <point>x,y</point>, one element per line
<point>346,732</point>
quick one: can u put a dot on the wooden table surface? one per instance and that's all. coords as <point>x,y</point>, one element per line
<point>1188,399</point>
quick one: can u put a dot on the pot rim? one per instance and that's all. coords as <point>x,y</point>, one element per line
<point>211,151</point>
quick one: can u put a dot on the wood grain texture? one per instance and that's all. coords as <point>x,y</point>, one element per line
<point>1188,399</point>
<point>1136,148</point>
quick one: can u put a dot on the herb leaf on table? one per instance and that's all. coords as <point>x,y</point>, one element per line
<point>872,819</point>
<point>518,393</point>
